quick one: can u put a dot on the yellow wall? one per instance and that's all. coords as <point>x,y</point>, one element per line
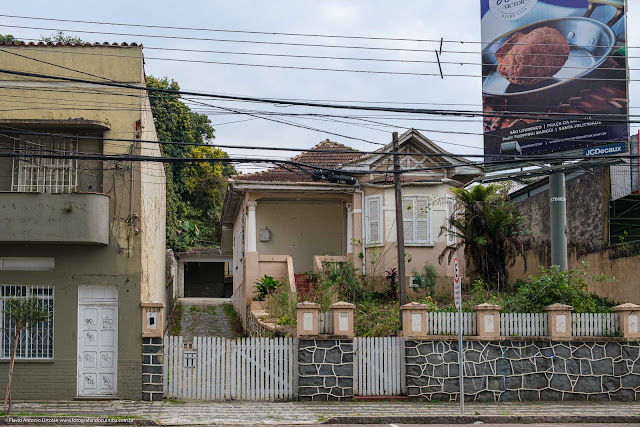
<point>302,230</point>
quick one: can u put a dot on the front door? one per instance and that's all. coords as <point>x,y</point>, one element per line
<point>97,340</point>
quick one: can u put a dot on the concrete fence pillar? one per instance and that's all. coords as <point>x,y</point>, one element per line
<point>488,320</point>
<point>414,320</point>
<point>342,319</point>
<point>628,317</point>
<point>307,317</point>
<point>559,321</point>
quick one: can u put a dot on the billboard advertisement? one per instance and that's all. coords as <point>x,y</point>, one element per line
<point>546,60</point>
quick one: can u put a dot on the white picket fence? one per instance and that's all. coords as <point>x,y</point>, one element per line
<point>523,324</point>
<point>594,324</point>
<point>379,366</point>
<point>446,323</point>
<point>214,368</point>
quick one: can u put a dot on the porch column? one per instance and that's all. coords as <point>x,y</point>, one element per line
<point>251,233</point>
<point>349,207</point>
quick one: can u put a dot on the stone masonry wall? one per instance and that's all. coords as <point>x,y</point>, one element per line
<point>152,377</point>
<point>325,369</point>
<point>524,370</point>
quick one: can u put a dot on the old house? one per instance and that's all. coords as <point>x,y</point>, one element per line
<point>286,220</point>
<point>84,235</point>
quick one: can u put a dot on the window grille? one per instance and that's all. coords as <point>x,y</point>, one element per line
<point>41,174</point>
<point>36,342</point>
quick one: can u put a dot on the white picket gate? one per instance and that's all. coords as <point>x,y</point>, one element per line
<point>213,368</point>
<point>379,366</point>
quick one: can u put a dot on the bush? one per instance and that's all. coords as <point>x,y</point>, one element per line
<point>376,318</point>
<point>266,285</point>
<point>565,287</point>
<point>426,278</point>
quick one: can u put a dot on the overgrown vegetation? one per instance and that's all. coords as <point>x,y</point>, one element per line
<point>487,228</point>
<point>338,282</point>
<point>175,320</point>
<point>281,305</point>
<point>234,318</point>
<point>530,296</point>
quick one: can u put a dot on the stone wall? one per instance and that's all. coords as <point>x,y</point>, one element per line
<point>152,375</point>
<point>524,370</point>
<point>325,369</point>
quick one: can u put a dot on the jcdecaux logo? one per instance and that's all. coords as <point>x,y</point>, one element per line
<point>603,151</point>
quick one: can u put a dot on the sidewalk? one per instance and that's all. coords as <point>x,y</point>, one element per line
<point>194,413</point>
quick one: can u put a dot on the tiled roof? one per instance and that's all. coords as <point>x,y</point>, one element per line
<point>315,157</point>
<point>82,44</point>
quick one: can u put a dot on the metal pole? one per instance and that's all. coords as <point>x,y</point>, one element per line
<point>558,198</point>
<point>461,359</point>
<point>402,278</point>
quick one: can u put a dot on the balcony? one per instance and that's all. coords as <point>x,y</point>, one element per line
<point>74,218</point>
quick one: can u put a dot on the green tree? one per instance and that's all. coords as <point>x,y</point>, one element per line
<point>61,37</point>
<point>24,312</point>
<point>488,228</point>
<point>8,38</point>
<point>195,191</point>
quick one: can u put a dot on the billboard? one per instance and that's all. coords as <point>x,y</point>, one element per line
<point>545,60</point>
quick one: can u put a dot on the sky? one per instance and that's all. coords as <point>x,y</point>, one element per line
<point>419,19</point>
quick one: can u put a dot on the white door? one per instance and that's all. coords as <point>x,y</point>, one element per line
<point>97,340</point>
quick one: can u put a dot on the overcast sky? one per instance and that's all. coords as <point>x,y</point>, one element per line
<point>423,19</point>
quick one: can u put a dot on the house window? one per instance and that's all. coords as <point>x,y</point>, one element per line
<point>36,342</point>
<point>451,210</point>
<point>374,220</point>
<point>41,174</point>
<point>416,216</point>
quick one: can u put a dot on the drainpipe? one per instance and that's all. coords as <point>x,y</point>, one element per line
<point>362,233</point>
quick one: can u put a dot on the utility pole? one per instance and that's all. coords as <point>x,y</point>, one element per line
<point>402,277</point>
<point>558,202</point>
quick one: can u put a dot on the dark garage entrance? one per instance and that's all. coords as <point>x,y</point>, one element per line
<point>204,279</point>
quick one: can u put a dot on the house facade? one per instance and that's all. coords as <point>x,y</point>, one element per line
<point>284,221</point>
<point>85,236</point>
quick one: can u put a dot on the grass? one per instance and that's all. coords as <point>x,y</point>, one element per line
<point>233,317</point>
<point>175,320</point>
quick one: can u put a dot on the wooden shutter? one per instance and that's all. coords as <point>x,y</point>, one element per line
<point>408,218</point>
<point>423,220</point>
<point>374,228</point>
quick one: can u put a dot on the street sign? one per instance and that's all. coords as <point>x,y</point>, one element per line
<point>457,291</point>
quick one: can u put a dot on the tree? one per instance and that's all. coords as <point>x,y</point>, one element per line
<point>60,37</point>
<point>195,191</point>
<point>8,38</point>
<point>24,312</point>
<point>488,227</point>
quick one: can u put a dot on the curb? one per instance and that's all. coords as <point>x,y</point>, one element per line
<point>73,420</point>
<point>488,419</point>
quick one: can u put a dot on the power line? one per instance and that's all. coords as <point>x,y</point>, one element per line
<point>441,41</point>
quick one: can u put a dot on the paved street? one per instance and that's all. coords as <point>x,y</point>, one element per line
<point>244,413</point>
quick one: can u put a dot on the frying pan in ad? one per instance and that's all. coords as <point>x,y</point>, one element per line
<point>591,44</point>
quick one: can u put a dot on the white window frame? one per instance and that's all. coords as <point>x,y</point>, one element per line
<point>30,340</point>
<point>452,239</point>
<point>416,241</point>
<point>369,241</point>
<point>44,174</point>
